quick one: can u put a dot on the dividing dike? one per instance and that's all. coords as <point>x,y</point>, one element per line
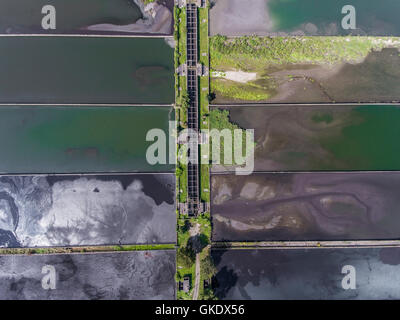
<point>192,112</point>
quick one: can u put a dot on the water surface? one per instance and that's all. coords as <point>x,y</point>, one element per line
<point>307,274</point>
<point>25,16</point>
<point>55,139</point>
<point>325,137</point>
<point>316,17</point>
<point>86,70</point>
<point>303,17</point>
<point>88,17</point>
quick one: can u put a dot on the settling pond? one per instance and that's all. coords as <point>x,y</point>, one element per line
<point>306,206</point>
<point>303,17</point>
<point>86,70</point>
<point>87,210</point>
<point>322,137</point>
<point>83,17</point>
<point>56,139</point>
<point>144,275</point>
<point>307,274</point>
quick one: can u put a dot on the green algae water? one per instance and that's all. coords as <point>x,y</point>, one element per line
<point>25,16</point>
<point>322,137</point>
<point>324,17</point>
<point>371,143</point>
<point>52,139</point>
<point>86,70</point>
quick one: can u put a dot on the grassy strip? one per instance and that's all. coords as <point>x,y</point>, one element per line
<point>86,249</point>
<point>180,92</point>
<point>239,91</point>
<point>204,85</point>
<point>180,51</point>
<point>207,267</point>
<point>203,36</point>
<point>205,182</point>
<point>258,53</point>
<point>182,176</point>
<point>184,271</point>
<point>184,238</point>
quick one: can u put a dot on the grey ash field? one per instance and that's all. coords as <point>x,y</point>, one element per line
<point>306,274</point>
<point>125,275</point>
<point>306,206</point>
<point>87,210</point>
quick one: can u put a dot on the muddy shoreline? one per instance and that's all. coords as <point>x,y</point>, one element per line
<point>157,18</point>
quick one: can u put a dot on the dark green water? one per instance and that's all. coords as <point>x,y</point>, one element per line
<point>86,70</point>
<point>78,139</point>
<point>371,143</point>
<point>372,17</point>
<point>25,16</point>
<point>325,137</point>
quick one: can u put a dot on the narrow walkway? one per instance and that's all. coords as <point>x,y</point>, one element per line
<point>306,244</point>
<point>197,282</point>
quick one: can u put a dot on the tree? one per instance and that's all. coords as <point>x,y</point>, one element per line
<point>186,226</point>
<point>178,171</point>
<point>211,96</point>
<point>208,267</point>
<point>185,257</point>
<point>185,100</point>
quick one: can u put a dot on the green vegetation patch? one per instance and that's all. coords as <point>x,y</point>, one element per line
<point>219,119</point>
<point>203,36</point>
<point>181,173</point>
<point>266,55</point>
<point>205,182</point>
<point>256,53</point>
<point>86,249</point>
<point>239,91</point>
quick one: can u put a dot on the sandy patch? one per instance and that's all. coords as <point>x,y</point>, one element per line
<point>241,226</point>
<point>236,75</point>
<point>194,230</point>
